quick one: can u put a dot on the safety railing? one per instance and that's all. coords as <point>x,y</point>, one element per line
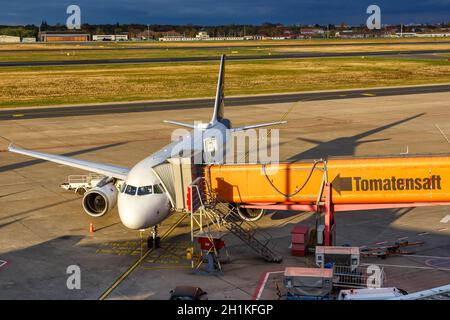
<point>360,277</point>
<point>80,179</point>
<point>207,209</point>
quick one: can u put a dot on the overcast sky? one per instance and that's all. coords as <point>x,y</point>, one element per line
<point>213,12</point>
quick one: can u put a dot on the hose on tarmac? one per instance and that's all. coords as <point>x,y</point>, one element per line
<point>316,162</point>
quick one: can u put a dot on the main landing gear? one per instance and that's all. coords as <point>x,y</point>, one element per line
<point>154,241</point>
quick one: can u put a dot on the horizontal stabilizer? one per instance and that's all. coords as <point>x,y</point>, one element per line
<point>181,124</point>
<point>258,126</point>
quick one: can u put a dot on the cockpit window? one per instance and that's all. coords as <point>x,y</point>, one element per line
<point>157,188</point>
<point>144,190</point>
<point>130,190</point>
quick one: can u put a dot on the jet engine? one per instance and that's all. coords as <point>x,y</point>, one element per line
<point>100,200</point>
<point>250,214</point>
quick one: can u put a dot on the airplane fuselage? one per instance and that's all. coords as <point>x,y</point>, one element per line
<point>142,201</point>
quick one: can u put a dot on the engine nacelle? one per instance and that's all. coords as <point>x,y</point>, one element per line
<point>100,200</point>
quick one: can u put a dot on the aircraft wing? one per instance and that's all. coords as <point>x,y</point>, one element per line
<point>257,126</point>
<point>104,169</point>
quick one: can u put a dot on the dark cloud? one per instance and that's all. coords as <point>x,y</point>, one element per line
<point>210,12</point>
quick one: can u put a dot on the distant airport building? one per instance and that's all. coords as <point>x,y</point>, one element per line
<point>433,35</point>
<point>312,32</point>
<point>28,40</point>
<point>61,36</point>
<point>201,36</point>
<point>280,37</point>
<point>420,35</point>
<point>9,39</point>
<point>406,34</point>
<point>110,37</point>
<point>362,34</point>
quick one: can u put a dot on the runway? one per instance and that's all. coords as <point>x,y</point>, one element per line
<point>132,107</point>
<point>303,55</point>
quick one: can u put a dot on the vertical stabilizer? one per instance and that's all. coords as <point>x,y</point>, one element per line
<point>219,103</point>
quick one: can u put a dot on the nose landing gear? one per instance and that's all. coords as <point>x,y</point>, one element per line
<point>153,241</point>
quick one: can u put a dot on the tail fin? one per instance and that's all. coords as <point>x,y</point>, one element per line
<point>219,103</point>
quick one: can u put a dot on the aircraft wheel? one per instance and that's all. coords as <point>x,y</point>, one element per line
<point>153,243</point>
<point>150,242</point>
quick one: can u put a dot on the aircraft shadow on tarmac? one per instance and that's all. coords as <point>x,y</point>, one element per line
<point>343,146</point>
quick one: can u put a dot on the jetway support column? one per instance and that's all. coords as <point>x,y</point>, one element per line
<point>330,223</point>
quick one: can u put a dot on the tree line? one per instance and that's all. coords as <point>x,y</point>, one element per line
<point>155,31</point>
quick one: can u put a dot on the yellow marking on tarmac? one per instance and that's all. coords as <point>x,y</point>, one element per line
<point>368,94</point>
<point>342,95</point>
<point>123,276</point>
<point>17,115</point>
<point>167,267</point>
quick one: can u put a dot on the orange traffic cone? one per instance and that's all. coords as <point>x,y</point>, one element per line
<point>91,228</point>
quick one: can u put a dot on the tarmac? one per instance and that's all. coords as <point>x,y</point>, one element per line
<point>43,229</point>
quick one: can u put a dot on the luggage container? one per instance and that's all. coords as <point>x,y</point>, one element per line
<point>341,256</point>
<point>308,283</point>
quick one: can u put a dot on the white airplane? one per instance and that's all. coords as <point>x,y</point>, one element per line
<point>142,199</point>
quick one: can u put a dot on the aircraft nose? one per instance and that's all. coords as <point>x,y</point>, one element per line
<point>134,213</point>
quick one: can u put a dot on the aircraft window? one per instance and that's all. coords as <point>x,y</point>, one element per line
<point>157,188</point>
<point>130,190</point>
<point>144,190</point>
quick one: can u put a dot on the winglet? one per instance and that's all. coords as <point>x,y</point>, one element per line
<point>11,146</point>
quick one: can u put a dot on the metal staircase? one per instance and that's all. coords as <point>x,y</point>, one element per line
<point>249,233</point>
<point>228,217</point>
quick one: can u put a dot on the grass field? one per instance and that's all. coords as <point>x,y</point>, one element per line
<point>38,86</point>
<point>70,53</point>
<point>65,54</point>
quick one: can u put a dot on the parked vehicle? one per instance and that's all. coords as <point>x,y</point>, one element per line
<point>188,293</point>
<point>371,294</point>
